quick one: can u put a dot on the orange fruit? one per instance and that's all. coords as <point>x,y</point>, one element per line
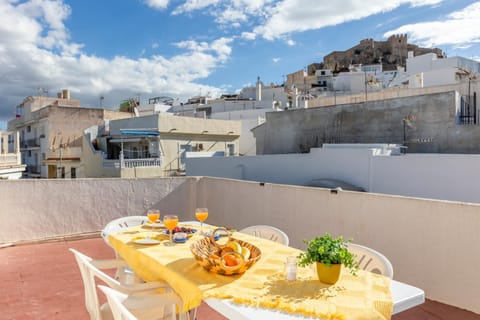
<point>230,260</point>
<point>226,250</point>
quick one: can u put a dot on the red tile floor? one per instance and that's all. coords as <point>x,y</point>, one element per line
<point>42,281</point>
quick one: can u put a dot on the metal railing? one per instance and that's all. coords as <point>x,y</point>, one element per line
<point>32,169</point>
<point>132,163</point>
<point>30,143</point>
<point>468,111</point>
<point>8,158</point>
<point>148,162</point>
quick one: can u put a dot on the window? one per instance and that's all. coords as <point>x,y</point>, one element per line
<point>63,172</point>
<point>231,149</point>
<point>29,128</point>
<point>73,173</point>
<point>29,153</point>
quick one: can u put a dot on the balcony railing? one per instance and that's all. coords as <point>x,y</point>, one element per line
<point>133,163</point>
<point>32,169</point>
<point>8,158</point>
<point>30,143</point>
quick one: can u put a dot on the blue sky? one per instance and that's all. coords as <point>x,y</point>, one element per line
<point>181,48</point>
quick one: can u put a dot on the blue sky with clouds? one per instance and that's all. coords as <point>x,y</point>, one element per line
<point>181,48</point>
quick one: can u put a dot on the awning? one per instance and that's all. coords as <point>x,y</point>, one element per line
<point>139,132</point>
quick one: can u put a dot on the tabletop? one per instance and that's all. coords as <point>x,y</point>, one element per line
<point>177,266</point>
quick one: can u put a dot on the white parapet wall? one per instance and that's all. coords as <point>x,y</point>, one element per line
<point>451,177</point>
<point>431,244</point>
<point>41,209</point>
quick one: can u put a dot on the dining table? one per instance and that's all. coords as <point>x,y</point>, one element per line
<point>262,291</point>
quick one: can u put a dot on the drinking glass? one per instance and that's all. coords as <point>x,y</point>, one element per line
<point>153,215</point>
<point>201,214</point>
<point>170,222</point>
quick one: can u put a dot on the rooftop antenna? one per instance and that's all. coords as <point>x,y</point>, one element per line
<point>42,92</point>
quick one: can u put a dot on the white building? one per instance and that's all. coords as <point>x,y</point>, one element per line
<point>248,106</point>
<point>428,70</point>
<point>11,166</point>
<point>51,131</point>
<point>155,145</point>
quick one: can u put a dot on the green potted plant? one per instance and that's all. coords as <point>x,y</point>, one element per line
<point>329,254</point>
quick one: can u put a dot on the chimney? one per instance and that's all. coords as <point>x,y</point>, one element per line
<point>259,90</point>
<point>66,94</point>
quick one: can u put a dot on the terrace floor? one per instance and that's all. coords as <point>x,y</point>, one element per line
<point>42,281</point>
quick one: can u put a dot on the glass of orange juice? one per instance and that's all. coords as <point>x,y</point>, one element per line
<point>201,214</point>
<point>153,215</point>
<point>170,222</point>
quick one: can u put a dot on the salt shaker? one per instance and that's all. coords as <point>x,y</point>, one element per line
<point>291,269</point>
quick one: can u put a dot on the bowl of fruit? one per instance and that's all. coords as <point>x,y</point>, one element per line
<point>232,256</point>
<point>183,230</point>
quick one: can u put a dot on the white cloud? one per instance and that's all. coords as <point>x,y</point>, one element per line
<point>248,35</point>
<point>157,4</point>
<point>192,5</point>
<point>459,28</point>
<point>275,60</point>
<point>281,18</point>
<point>290,42</point>
<point>226,12</point>
<point>35,51</point>
<point>290,16</point>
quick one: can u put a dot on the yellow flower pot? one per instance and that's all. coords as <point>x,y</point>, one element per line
<point>328,275</point>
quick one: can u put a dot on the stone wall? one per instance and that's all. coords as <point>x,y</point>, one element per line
<point>428,124</point>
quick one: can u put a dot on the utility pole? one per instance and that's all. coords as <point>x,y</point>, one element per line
<point>366,98</point>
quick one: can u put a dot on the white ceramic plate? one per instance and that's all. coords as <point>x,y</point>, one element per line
<point>146,241</point>
<point>156,225</point>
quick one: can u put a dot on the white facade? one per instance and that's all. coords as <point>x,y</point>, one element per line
<point>10,159</point>
<point>435,176</point>
<point>249,98</point>
<point>156,145</point>
<point>249,120</point>
<point>51,131</point>
<point>428,70</point>
<point>356,82</point>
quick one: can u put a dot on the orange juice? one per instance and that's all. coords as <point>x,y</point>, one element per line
<point>201,215</point>
<point>170,222</point>
<point>153,215</point>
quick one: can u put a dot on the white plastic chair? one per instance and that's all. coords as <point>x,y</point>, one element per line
<point>371,260</point>
<point>122,223</point>
<point>138,294</point>
<point>115,226</point>
<point>267,232</point>
<point>124,309</point>
<point>115,301</point>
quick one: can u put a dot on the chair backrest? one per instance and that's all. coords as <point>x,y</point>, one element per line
<point>267,232</point>
<point>89,272</point>
<point>115,299</point>
<point>122,223</point>
<point>371,260</point>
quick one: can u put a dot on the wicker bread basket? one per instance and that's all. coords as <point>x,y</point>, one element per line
<point>207,253</point>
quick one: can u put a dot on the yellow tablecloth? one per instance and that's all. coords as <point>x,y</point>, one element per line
<point>365,296</point>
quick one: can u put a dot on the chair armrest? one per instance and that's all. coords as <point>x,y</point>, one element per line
<point>151,305</point>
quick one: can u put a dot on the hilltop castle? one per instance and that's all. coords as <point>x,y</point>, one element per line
<point>390,53</point>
